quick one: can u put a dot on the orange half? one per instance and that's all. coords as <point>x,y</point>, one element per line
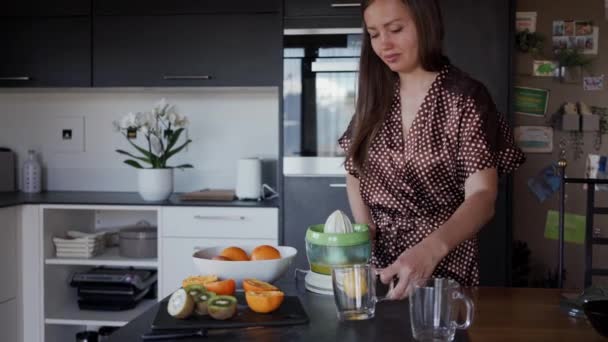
<point>258,285</point>
<point>264,302</point>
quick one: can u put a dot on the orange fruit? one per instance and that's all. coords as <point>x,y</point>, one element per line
<point>265,252</point>
<point>258,286</point>
<point>265,301</point>
<point>222,287</point>
<point>219,257</point>
<point>198,280</point>
<point>234,254</point>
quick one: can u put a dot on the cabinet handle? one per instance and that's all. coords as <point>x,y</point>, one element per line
<point>187,77</point>
<point>346,5</point>
<point>15,78</point>
<point>337,185</point>
<point>220,218</point>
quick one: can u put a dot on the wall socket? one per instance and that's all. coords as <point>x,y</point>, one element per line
<point>65,134</point>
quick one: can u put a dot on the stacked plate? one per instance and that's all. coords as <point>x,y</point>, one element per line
<point>79,245</point>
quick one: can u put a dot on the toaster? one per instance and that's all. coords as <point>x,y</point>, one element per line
<point>7,170</point>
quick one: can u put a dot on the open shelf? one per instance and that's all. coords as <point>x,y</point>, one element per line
<point>70,314</point>
<point>111,257</point>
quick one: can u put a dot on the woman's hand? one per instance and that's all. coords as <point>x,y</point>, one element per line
<point>415,263</point>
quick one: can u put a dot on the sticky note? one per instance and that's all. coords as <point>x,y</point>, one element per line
<point>574,227</point>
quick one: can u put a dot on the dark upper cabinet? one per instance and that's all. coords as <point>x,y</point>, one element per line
<point>187,50</point>
<point>308,201</point>
<point>322,14</point>
<point>41,8</point>
<point>321,8</point>
<point>44,52</point>
<point>157,7</point>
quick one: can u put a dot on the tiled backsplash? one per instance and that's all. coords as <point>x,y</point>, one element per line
<point>225,124</point>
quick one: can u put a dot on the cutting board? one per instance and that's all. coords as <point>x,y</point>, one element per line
<point>291,312</point>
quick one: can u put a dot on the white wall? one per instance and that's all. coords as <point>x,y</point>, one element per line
<point>225,125</point>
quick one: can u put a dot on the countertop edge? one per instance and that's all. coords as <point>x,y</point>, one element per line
<point>11,199</point>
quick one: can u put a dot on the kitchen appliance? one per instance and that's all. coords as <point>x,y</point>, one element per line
<point>320,68</point>
<point>325,250</point>
<point>7,170</point>
<point>138,242</point>
<point>113,289</point>
<point>249,179</point>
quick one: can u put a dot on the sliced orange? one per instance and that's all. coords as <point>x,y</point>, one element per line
<point>258,286</point>
<point>198,280</point>
<point>234,254</point>
<point>265,301</point>
<point>222,287</point>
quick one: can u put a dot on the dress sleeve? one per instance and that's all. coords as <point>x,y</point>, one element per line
<point>345,142</point>
<point>485,139</point>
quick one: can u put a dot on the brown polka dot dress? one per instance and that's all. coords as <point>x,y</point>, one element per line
<point>412,187</point>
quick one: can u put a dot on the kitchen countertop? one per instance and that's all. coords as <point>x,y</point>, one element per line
<point>8,199</point>
<point>501,314</point>
<point>390,324</point>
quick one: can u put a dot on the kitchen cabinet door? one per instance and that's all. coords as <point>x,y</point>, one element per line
<point>45,52</point>
<point>159,7</point>
<point>9,321</point>
<point>322,14</point>
<point>322,8</point>
<point>176,257</point>
<point>188,50</point>
<point>45,8</point>
<point>8,254</point>
<point>309,201</point>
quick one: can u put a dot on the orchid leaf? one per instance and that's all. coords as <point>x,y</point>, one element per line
<point>133,163</point>
<point>183,166</point>
<point>133,156</point>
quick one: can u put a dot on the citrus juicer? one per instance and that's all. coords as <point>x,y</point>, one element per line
<point>328,246</point>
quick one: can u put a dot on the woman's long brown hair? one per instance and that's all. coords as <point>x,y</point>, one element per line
<point>377,81</point>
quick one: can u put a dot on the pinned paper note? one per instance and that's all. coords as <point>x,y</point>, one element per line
<point>574,227</point>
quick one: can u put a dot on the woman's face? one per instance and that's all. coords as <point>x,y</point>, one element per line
<point>393,34</point>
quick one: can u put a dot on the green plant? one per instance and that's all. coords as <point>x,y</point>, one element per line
<point>569,57</point>
<point>161,128</point>
<point>529,42</point>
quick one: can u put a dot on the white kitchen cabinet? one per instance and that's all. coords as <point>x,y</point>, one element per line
<point>187,229</point>
<point>8,253</point>
<point>221,222</point>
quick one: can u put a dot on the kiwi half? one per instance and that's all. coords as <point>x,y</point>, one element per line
<point>180,304</point>
<point>222,307</point>
<point>202,303</point>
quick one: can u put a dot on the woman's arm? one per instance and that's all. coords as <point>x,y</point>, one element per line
<point>360,211</point>
<point>420,261</point>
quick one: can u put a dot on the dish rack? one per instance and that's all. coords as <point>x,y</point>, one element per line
<point>79,245</point>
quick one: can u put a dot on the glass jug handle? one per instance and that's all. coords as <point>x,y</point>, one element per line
<point>391,285</point>
<point>469,304</point>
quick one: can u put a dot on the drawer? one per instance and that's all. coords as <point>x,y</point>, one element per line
<point>176,257</point>
<point>221,222</point>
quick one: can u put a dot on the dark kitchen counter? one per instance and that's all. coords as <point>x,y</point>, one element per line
<point>390,324</point>
<point>8,199</point>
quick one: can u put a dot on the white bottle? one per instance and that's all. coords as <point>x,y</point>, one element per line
<point>32,173</point>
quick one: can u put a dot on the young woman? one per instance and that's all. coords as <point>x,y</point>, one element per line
<point>424,148</point>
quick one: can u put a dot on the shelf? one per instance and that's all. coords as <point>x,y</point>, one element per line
<point>111,257</point>
<point>72,315</point>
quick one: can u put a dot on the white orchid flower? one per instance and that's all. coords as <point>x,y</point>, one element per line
<point>172,117</point>
<point>155,143</point>
<point>128,121</point>
<point>161,107</point>
<point>181,122</point>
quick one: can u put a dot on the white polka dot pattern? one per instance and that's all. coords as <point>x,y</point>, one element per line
<point>413,185</point>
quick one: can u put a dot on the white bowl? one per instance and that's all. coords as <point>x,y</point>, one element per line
<point>265,270</point>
